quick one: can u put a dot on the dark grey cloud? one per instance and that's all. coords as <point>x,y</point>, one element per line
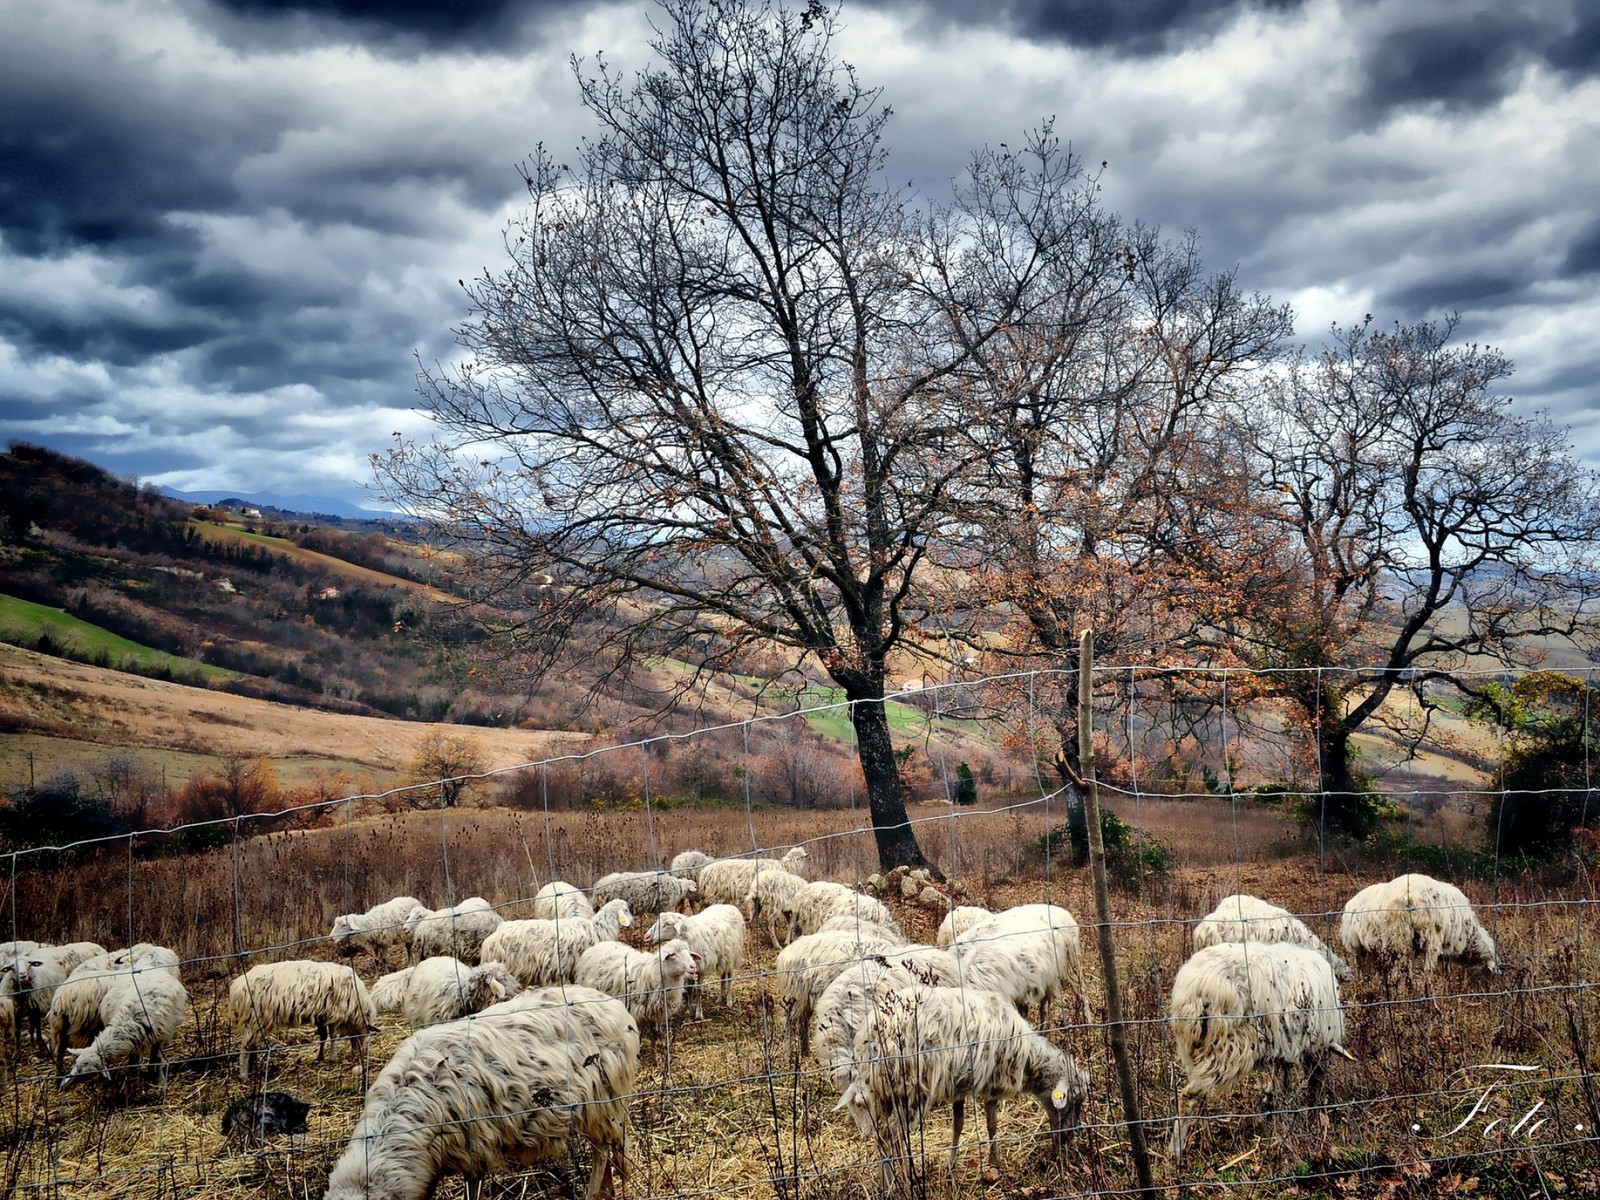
<point>1583,255</point>
<point>409,26</point>
<point>1133,27</point>
<point>1456,58</point>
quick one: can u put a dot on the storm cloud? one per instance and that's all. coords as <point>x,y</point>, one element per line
<point>230,229</point>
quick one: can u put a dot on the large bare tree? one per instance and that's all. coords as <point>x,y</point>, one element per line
<point>1107,500</point>
<point>719,393</point>
<point>1428,525</point>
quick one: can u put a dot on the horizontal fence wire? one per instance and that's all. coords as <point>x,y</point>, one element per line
<point>1460,1079</point>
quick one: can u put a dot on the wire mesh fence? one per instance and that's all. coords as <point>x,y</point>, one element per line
<point>1460,1080</point>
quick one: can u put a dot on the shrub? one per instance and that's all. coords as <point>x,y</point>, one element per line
<point>1134,859</point>
<point>966,785</point>
<point>57,812</point>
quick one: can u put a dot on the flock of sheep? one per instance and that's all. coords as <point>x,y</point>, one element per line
<point>528,1032</point>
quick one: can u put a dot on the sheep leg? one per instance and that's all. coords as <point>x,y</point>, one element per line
<point>991,1121</point>
<point>322,1040</point>
<point>727,989</point>
<point>958,1116</point>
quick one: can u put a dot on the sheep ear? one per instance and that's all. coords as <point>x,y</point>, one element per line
<point>498,988</point>
<point>626,919</point>
<point>855,1095</point>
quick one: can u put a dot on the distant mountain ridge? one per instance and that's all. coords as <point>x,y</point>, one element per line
<point>327,505</point>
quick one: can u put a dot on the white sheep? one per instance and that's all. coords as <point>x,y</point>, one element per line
<point>558,900</point>
<point>818,903</point>
<point>728,880</point>
<point>137,1016</point>
<point>512,1085</point>
<point>651,984</point>
<point>842,1010</point>
<point>540,952</point>
<point>847,923</point>
<point>1416,916</point>
<point>1251,919</point>
<point>458,931</point>
<point>74,1014</point>
<point>717,935</point>
<point>957,921</point>
<point>1237,1006</point>
<point>443,989</point>
<point>389,992</point>
<point>687,864</point>
<point>376,931</point>
<point>285,995</point>
<point>929,1046</point>
<point>771,900</point>
<point>39,972</point>
<point>807,965</point>
<point>645,891</point>
<point>1031,954</point>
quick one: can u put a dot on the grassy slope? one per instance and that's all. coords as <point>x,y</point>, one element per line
<point>228,533</point>
<point>25,621</point>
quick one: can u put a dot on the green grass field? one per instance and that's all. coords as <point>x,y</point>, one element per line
<point>25,623</point>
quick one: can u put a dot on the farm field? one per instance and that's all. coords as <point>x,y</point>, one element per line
<point>740,1114</point>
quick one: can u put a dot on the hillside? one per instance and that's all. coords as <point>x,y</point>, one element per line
<point>65,715</point>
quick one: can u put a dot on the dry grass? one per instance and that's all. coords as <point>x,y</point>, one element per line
<point>739,1116</point>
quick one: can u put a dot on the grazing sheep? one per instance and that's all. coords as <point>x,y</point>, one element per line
<point>376,931</point>
<point>807,965</point>
<point>540,953</point>
<point>687,864</point>
<point>957,921</point>
<point>932,1046</point>
<point>509,1086</point>
<point>457,931</point>
<point>40,972</point>
<point>559,900</point>
<point>842,1010</point>
<point>1031,954</point>
<point>772,896</point>
<point>1237,1006</point>
<point>443,989</point>
<point>645,891</point>
<point>74,1014</point>
<point>857,924</point>
<point>137,1016</point>
<point>651,984</point>
<point>250,1120</point>
<point>1415,916</point>
<point>1250,919</point>
<point>389,993</point>
<point>284,995</point>
<point>821,902</point>
<point>728,880</point>
<point>717,935</point>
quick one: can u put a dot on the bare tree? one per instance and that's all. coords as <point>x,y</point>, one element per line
<point>1108,500</point>
<point>718,394</point>
<point>1428,527</point>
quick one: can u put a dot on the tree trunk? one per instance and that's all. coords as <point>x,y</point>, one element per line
<point>891,828</point>
<point>1345,807</point>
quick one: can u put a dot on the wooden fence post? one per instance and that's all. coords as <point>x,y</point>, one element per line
<point>1102,904</point>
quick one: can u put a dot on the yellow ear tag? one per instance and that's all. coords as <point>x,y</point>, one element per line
<point>626,919</point>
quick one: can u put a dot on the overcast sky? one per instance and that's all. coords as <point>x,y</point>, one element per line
<point>229,227</point>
